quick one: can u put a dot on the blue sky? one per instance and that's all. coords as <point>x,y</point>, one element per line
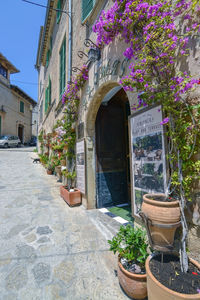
<point>19,33</point>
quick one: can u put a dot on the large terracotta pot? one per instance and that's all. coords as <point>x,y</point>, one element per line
<point>134,285</point>
<point>72,198</point>
<point>165,218</point>
<point>157,291</point>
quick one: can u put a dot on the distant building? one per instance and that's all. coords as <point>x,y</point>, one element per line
<point>15,105</point>
<point>35,121</point>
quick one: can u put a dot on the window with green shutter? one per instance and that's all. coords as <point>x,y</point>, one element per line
<point>21,107</point>
<point>47,58</point>
<point>62,67</point>
<point>47,96</point>
<point>58,12</point>
<point>87,6</point>
<point>49,92</point>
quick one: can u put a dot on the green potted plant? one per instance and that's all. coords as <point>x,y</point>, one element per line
<point>131,245</point>
<point>50,168</point>
<point>71,195</point>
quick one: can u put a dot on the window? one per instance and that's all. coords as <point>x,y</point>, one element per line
<point>47,58</point>
<point>3,71</point>
<point>21,109</point>
<point>47,96</point>
<point>0,125</point>
<point>58,13</point>
<point>62,67</point>
<point>87,6</point>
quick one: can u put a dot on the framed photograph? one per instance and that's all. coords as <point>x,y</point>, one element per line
<point>147,149</point>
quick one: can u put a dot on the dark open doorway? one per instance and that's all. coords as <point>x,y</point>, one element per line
<point>21,133</point>
<point>112,151</point>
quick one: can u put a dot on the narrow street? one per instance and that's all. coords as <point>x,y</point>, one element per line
<point>49,250</point>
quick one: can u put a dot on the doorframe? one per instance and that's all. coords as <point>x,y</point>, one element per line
<point>90,119</point>
<point>21,126</point>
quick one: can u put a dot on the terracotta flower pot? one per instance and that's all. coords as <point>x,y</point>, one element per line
<point>165,218</point>
<point>49,172</point>
<point>134,285</point>
<point>157,291</point>
<point>72,198</point>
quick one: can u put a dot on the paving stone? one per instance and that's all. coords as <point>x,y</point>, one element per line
<point>41,272</point>
<point>44,230</point>
<point>17,278</point>
<point>31,238</point>
<point>15,230</point>
<point>26,253</point>
<point>64,271</point>
<point>5,259</point>
<point>43,239</point>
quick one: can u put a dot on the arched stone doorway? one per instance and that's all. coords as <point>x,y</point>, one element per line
<point>108,175</point>
<point>21,133</point>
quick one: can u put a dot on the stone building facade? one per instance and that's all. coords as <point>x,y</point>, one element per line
<point>105,108</point>
<point>15,105</point>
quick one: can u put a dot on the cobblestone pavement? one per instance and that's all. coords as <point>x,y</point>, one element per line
<point>47,249</point>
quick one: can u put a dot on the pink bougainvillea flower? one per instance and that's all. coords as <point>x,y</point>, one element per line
<point>164,121</point>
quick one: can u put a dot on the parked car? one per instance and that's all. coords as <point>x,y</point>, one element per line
<point>33,141</point>
<point>9,141</point>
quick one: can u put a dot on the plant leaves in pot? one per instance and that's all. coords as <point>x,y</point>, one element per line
<point>131,245</point>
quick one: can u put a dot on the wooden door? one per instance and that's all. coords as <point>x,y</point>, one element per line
<point>20,133</point>
<point>111,154</point>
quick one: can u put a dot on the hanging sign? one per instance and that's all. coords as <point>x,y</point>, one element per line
<point>80,165</point>
<point>147,155</point>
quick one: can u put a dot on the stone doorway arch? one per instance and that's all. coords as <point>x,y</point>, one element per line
<point>90,120</point>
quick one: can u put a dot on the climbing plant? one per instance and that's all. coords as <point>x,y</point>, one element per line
<point>158,35</point>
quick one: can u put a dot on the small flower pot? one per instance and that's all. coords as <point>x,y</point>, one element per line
<point>134,285</point>
<point>71,198</point>
<point>49,172</point>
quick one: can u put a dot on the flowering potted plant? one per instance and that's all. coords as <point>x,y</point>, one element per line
<point>131,245</point>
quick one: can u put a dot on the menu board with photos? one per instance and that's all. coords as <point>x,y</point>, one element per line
<point>148,155</point>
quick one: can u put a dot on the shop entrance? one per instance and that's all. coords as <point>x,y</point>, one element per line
<point>112,151</point>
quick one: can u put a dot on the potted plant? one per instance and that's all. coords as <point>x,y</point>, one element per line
<point>70,194</point>
<point>163,216</point>
<point>166,281</point>
<point>50,168</point>
<point>131,245</point>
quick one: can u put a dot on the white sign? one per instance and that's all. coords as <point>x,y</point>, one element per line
<point>148,155</point>
<point>80,165</point>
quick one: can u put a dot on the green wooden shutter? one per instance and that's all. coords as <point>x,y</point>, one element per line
<point>50,46</point>
<point>62,67</point>
<point>87,6</point>
<point>47,58</point>
<point>21,107</point>
<point>49,100</point>
<point>58,13</point>
<point>46,100</point>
